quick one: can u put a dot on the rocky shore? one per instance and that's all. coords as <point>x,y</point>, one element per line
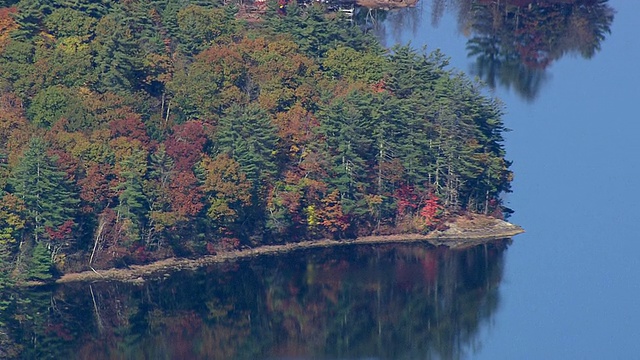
<point>386,4</point>
<point>463,232</point>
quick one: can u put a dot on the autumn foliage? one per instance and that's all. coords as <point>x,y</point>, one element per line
<point>135,132</point>
<point>431,210</point>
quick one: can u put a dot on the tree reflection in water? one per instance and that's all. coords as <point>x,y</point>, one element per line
<point>513,42</point>
<point>390,302</point>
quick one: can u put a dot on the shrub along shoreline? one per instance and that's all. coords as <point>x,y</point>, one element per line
<point>463,232</point>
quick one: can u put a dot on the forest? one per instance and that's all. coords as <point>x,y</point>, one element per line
<point>132,131</point>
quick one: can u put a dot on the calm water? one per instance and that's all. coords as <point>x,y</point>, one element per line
<point>392,302</point>
<point>567,289</point>
<point>571,282</point>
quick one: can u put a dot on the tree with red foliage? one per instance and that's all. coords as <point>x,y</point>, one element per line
<point>131,127</point>
<point>15,130</point>
<point>7,24</point>
<point>185,194</point>
<point>186,144</point>
<point>97,187</point>
<point>379,86</point>
<point>60,233</point>
<point>431,210</point>
<point>407,199</point>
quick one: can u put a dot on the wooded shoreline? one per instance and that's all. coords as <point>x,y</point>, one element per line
<point>462,233</point>
<point>208,133</point>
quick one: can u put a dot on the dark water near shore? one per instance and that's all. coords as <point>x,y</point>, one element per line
<point>386,301</point>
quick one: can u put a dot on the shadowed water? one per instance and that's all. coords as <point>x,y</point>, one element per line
<point>386,302</point>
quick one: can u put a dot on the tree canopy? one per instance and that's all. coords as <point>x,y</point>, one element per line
<point>132,131</point>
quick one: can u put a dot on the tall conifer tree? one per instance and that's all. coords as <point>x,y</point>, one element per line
<point>46,192</point>
<point>248,136</point>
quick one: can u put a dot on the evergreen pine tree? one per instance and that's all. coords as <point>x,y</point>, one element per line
<point>5,269</point>
<point>132,201</point>
<point>315,33</point>
<point>248,136</point>
<point>40,264</point>
<point>46,192</point>
<point>347,127</point>
<point>117,56</point>
<point>29,17</point>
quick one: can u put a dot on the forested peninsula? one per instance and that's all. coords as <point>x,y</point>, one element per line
<point>135,131</point>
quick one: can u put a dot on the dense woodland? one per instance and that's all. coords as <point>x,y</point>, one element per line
<point>136,130</point>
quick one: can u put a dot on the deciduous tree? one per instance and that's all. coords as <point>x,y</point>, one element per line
<point>226,188</point>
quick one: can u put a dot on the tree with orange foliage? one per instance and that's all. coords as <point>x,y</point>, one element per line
<point>331,216</point>
<point>7,24</point>
<point>225,187</point>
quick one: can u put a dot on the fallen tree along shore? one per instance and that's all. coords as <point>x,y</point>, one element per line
<point>461,233</point>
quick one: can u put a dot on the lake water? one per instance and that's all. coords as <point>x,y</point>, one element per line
<point>571,283</point>
<point>566,289</point>
<point>388,301</point>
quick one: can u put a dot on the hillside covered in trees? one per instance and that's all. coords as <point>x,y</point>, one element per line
<point>136,130</point>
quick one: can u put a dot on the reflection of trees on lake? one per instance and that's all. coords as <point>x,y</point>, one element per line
<point>386,302</point>
<point>514,41</point>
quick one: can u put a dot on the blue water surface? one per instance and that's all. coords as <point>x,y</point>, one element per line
<point>572,282</point>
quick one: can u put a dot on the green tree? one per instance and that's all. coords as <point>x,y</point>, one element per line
<point>40,263</point>
<point>66,22</point>
<point>47,194</point>
<point>225,187</point>
<point>316,33</point>
<point>16,67</point>
<point>132,202</point>
<point>11,224</point>
<point>199,27</point>
<point>391,124</point>
<point>207,87</point>
<point>161,188</point>
<point>55,103</point>
<point>248,136</point>
<point>347,63</point>
<point>29,17</point>
<point>346,127</point>
<point>116,55</point>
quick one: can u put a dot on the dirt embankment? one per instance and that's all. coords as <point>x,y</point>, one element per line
<point>462,233</point>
